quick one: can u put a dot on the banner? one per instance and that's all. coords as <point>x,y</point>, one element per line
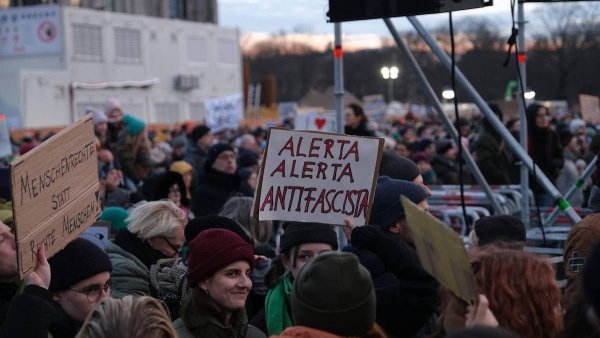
<point>224,113</point>
<point>317,177</point>
<point>441,252</point>
<point>316,119</point>
<point>374,106</point>
<point>590,108</point>
<point>30,30</point>
<point>55,192</point>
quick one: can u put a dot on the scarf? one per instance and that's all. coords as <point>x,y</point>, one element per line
<point>277,308</point>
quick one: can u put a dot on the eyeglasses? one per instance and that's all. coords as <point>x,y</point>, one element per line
<point>175,248</point>
<point>94,292</point>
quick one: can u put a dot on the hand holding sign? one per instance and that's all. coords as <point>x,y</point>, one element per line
<point>40,275</point>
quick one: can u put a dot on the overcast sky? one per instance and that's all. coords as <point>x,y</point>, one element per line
<point>309,16</point>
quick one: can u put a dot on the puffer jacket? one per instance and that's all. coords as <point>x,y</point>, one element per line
<point>130,275</point>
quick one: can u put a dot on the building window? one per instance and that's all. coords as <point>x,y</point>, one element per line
<point>197,111</point>
<point>128,45</point>
<point>196,49</point>
<point>87,42</point>
<point>167,112</point>
<point>227,51</point>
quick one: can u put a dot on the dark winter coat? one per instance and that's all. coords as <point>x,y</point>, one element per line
<point>7,292</point>
<point>544,149</point>
<point>34,314</point>
<point>406,294</point>
<point>213,190</point>
<point>196,157</point>
<point>361,130</point>
<point>491,156</point>
<point>445,169</point>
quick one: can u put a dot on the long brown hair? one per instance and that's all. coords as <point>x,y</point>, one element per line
<point>521,289</point>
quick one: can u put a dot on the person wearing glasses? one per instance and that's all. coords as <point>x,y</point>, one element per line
<point>154,231</point>
<point>300,243</point>
<point>60,292</point>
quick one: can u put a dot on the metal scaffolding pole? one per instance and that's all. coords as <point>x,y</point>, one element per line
<point>496,123</point>
<point>438,105</point>
<point>338,73</point>
<point>522,113</point>
<point>577,185</point>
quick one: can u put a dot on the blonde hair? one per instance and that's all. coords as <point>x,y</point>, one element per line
<point>157,218</point>
<point>132,317</point>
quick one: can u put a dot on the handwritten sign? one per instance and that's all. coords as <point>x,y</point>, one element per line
<point>375,107</point>
<point>55,192</point>
<point>317,177</point>
<point>316,119</point>
<point>225,112</point>
<point>441,251</point>
<point>590,108</point>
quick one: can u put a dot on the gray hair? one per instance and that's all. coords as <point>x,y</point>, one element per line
<point>157,218</point>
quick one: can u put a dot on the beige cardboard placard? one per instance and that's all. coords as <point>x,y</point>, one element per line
<point>441,251</point>
<point>309,176</point>
<point>55,192</point>
<point>590,108</point>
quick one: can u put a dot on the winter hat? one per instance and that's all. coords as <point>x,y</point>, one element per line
<point>111,104</point>
<point>565,137</point>
<point>202,223</point>
<point>591,279</point>
<point>79,260</point>
<point>443,145</point>
<point>214,249</point>
<point>181,167</point>
<point>575,125</point>
<point>98,116</point>
<point>387,208</point>
<point>583,236</point>
<point>397,167</point>
<point>296,233</point>
<point>198,132</point>
<point>179,142</point>
<point>133,124</point>
<point>420,156</point>
<point>334,293</point>
<point>214,152</point>
<point>116,216</point>
<point>504,228</point>
<point>247,159</point>
<point>424,143</point>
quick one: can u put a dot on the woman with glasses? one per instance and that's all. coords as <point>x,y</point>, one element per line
<point>300,243</point>
<point>60,293</point>
<point>154,231</point>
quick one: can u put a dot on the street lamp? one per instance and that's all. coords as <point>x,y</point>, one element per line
<point>390,74</point>
<point>448,94</point>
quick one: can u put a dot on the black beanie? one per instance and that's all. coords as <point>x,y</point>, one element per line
<point>214,152</point>
<point>499,228</point>
<point>198,132</point>
<point>79,260</point>
<point>296,233</point>
<point>387,208</point>
<point>334,293</point>
<point>443,145</point>
<point>199,224</point>
<point>398,167</point>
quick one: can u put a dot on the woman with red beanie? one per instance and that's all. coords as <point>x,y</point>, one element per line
<point>219,265</point>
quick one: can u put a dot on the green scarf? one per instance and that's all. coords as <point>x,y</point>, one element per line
<point>277,306</point>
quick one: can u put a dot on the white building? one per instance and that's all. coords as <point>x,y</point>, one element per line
<point>45,49</point>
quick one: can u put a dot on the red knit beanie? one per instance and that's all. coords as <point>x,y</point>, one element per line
<point>213,249</point>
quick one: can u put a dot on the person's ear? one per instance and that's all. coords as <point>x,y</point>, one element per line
<point>395,229</point>
<point>203,285</point>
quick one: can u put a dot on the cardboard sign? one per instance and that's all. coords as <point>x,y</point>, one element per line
<point>590,108</point>
<point>55,192</point>
<point>317,177</point>
<point>223,113</point>
<point>441,251</point>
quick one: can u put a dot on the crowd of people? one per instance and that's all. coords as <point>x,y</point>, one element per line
<point>187,258</point>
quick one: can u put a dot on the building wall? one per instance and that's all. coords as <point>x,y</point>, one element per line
<point>104,46</point>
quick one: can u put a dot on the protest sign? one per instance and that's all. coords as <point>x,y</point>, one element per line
<point>441,251</point>
<point>287,110</point>
<point>223,113</point>
<point>316,119</point>
<point>98,233</point>
<point>5,145</point>
<point>374,106</point>
<point>590,108</point>
<point>317,177</point>
<point>55,192</point>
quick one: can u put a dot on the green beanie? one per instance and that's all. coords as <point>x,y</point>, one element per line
<point>116,216</point>
<point>133,124</point>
